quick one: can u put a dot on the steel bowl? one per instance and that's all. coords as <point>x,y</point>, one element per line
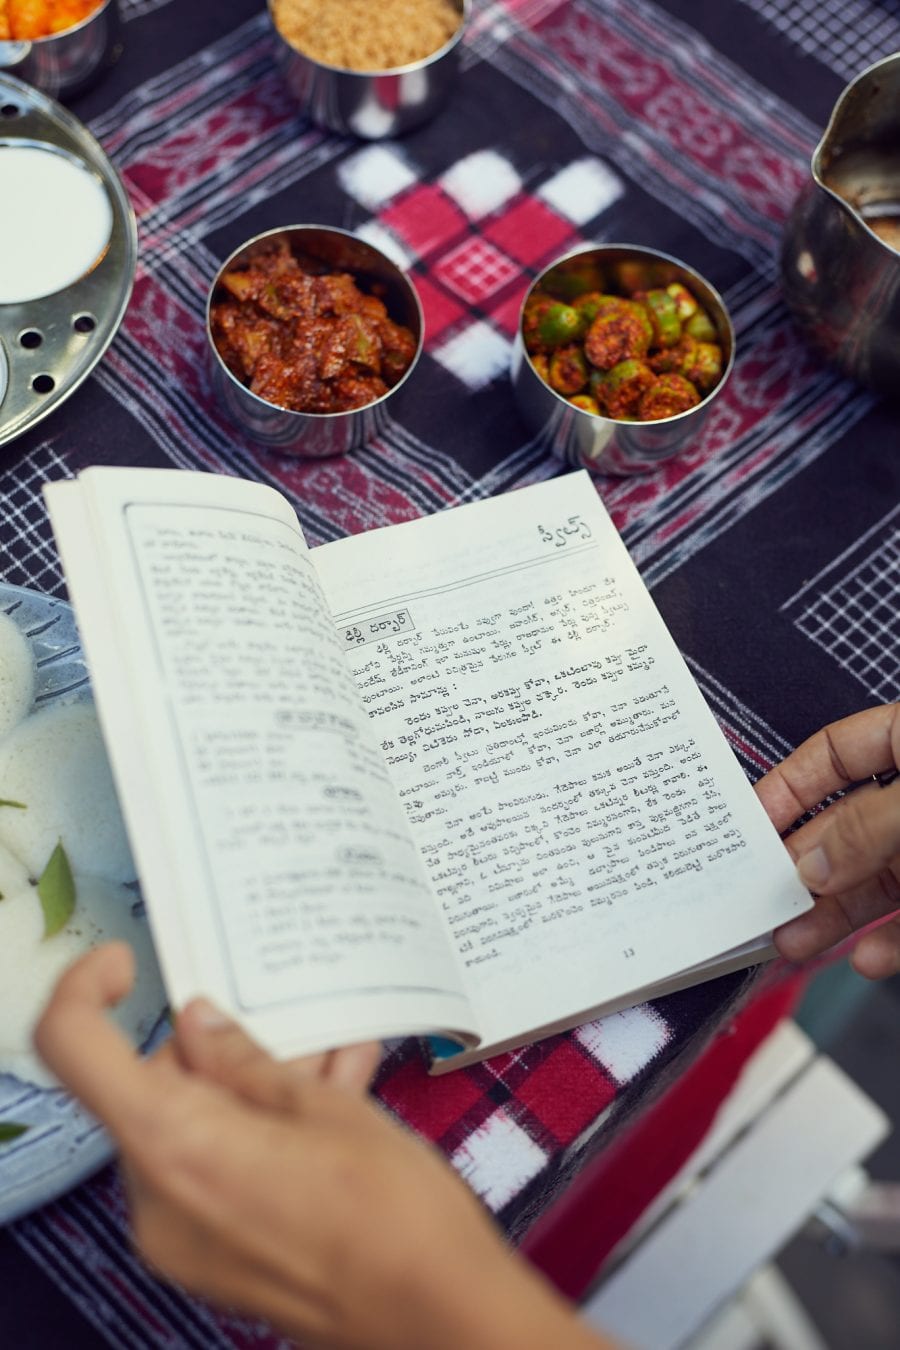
<point>372,104</point>
<point>601,444</point>
<point>66,64</point>
<point>317,435</point>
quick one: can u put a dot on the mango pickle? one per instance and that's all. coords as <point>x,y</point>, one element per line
<point>624,347</point>
<point>362,342</point>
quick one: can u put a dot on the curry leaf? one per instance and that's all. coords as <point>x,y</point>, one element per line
<point>56,888</point>
<point>10,1130</point>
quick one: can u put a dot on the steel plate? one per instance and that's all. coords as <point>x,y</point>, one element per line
<point>52,344</point>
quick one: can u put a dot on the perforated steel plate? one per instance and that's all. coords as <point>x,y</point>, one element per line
<point>53,343</point>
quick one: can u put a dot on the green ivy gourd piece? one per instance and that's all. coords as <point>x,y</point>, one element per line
<point>568,370</point>
<point>701,327</point>
<point>684,301</point>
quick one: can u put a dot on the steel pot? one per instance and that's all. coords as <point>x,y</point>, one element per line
<point>841,252</point>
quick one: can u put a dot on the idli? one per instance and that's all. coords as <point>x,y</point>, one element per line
<point>32,964</point>
<point>55,764</point>
<point>16,675</point>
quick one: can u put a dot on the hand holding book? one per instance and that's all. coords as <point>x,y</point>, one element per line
<point>848,854</point>
<point>278,1190</point>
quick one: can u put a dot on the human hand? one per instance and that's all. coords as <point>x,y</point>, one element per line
<point>848,854</point>
<point>275,1188</point>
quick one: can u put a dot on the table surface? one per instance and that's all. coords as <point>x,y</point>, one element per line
<point>771,546</point>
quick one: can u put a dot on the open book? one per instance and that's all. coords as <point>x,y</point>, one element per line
<point>448,777</point>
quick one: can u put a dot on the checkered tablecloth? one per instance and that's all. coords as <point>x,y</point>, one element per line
<point>771,545</point>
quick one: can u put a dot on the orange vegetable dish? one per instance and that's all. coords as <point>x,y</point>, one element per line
<point>304,337</point>
<point>20,19</point>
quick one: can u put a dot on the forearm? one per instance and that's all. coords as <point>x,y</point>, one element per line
<point>501,1305</point>
<point>473,1296</point>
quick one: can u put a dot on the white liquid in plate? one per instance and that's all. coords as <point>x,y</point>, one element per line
<point>55,221</point>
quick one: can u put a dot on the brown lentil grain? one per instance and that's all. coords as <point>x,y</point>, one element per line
<point>366,35</point>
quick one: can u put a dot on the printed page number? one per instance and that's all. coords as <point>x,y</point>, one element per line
<point>629,951</point>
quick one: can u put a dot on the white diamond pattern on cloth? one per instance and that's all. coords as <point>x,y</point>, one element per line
<point>625,1042</point>
<point>475,356</point>
<point>375,174</point>
<point>582,190</point>
<point>498,1159</point>
<point>481,182</point>
<point>375,234</point>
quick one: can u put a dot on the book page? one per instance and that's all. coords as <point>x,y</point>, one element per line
<point>278,868</point>
<point>586,826</point>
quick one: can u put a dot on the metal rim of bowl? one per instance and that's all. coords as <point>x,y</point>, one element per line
<point>465,14</point>
<point>264,403</point>
<point>656,255</point>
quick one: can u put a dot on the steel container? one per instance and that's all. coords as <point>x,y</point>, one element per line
<point>602,444</point>
<point>66,64</point>
<point>841,279</point>
<point>317,435</point>
<point>372,104</point>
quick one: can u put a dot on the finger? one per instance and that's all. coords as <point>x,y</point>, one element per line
<point>877,954</point>
<point>845,752</point>
<point>862,841</point>
<point>79,1044</point>
<point>808,835</point>
<point>199,1047</point>
<point>215,1046</point>
<point>353,1066</point>
<point>833,919</point>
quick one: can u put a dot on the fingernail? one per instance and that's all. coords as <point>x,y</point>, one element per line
<point>813,869</point>
<point>208,1015</point>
